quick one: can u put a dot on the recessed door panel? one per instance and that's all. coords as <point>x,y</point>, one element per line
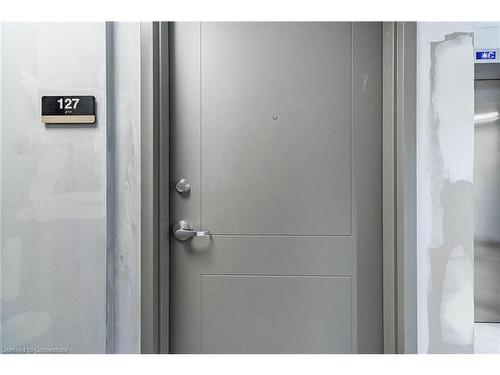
<point>275,314</point>
<point>276,128</point>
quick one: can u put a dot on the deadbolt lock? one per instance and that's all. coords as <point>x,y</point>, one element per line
<point>182,186</point>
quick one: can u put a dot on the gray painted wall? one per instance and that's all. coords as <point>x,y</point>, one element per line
<point>70,197</point>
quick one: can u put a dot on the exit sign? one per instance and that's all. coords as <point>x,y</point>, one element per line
<point>486,55</point>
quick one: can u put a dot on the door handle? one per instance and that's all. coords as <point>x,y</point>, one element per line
<point>183,231</point>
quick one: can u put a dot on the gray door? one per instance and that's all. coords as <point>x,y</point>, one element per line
<point>277,129</point>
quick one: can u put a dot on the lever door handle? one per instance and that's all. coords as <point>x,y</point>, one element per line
<point>183,231</point>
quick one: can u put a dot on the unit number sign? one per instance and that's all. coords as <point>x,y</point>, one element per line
<point>68,110</point>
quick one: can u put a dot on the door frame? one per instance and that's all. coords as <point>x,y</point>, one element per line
<point>154,157</point>
<point>399,187</point>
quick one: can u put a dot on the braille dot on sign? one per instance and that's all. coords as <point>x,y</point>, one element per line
<point>275,117</point>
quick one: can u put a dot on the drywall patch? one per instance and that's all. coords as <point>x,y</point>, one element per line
<point>448,163</point>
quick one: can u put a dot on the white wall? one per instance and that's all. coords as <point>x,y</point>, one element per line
<point>445,199</point>
<point>69,195</point>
